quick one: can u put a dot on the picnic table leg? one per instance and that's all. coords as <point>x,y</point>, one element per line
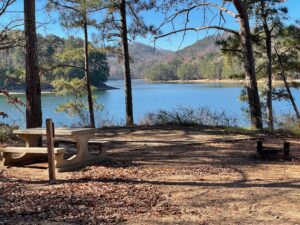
<point>259,147</point>
<point>82,145</point>
<point>286,148</point>
<point>31,140</point>
<point>83,156</point>
<point>83,150</point>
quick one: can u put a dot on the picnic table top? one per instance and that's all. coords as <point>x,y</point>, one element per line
<point>58,131</point>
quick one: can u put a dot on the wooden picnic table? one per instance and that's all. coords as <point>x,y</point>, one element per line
<point>80,135</point>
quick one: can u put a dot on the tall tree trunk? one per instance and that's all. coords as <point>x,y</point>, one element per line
<point>249,63</point>
<point>126,65</point>
<point>87,74</point>
<point>283,76</point>
<point>268,41</point>
<point>290,94</point>
<point>33,86</point>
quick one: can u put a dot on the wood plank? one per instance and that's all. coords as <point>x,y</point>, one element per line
<point>33,150</point>
<point>70,141</point>
<point>98,142</point>
<point>58,131</point>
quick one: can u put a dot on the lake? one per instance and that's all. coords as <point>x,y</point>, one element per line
<point>151,97</point>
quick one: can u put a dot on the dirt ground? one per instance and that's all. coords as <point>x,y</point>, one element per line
<point>162,176</point>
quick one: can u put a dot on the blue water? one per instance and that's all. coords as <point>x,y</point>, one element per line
<point>151,97</point>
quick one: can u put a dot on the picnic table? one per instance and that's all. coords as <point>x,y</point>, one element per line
<point>32,136</point>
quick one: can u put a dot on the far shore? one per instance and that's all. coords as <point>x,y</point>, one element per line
<point>198,81</point>
<point>51,91</point>
<point>276,82</point>
<point>221,81</point>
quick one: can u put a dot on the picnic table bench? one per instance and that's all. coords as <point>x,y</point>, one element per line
<point>79,136</point>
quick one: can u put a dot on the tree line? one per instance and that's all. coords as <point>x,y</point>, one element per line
<point>211,66</point>
<point>118,21</point>
<point>58,58</point>
<point>227,63</point>
<point>268,16</point>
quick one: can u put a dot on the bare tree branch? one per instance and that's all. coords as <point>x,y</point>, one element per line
<point>197,29</point>
<point>186,10</point>
<point>44,70</point>
<point>4,5</point>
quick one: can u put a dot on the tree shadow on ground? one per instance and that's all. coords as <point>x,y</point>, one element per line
<point>240,183</point>
<point>229,153</point>
<point>214,153</point>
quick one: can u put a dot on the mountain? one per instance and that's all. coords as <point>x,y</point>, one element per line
<point>145,56</point>
<point>142,57</point>
<point>200,48</point>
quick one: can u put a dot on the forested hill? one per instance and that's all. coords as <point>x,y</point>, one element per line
<point>142,57</point>
<point>58,58</point>
<point>203,59</point>
<point>146,58</point>
<point>201,48</point>
<point>55,53</point>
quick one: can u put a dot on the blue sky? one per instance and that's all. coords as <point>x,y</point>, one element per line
<point>171,43</point>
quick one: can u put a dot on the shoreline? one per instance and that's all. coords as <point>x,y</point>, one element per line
<point>51,91</point>
<point>202,81</point>
<point>197,81</point>
<point>276,82</point>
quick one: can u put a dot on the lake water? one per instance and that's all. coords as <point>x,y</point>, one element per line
<point>151,97</point>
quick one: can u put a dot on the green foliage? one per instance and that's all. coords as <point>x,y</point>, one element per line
<point>11,76</point>
<point>77,105</point>
<point>58,58</point>
<point>74,13</point>
<point>188,71</point>
<point>110,26</point>
<point>210,66</point>
<point>232,68</point>
<point>99,68</point>
<point>161,72</point>
<point>71,60</point>
<point>188,116</point>
<point>287,52</point>
<point>289,124</point>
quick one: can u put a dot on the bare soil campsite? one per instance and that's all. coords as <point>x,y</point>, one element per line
<point>162,176</point>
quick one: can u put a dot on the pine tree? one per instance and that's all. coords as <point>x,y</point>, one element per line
<point>75,14</point>
<point>115,28</point>
<point>287,58</point>
<point>33,87</point>
<point>269,15</point>
<point>241,14</point>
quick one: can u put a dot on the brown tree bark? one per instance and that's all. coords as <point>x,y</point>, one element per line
<point>249,63</point>
<point>87,74</point>
<point>126,64</point>
<point>32,80</point>
<point>268,42</point>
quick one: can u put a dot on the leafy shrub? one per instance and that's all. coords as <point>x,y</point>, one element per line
<point>290,124</point>
<point>189,116</point>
